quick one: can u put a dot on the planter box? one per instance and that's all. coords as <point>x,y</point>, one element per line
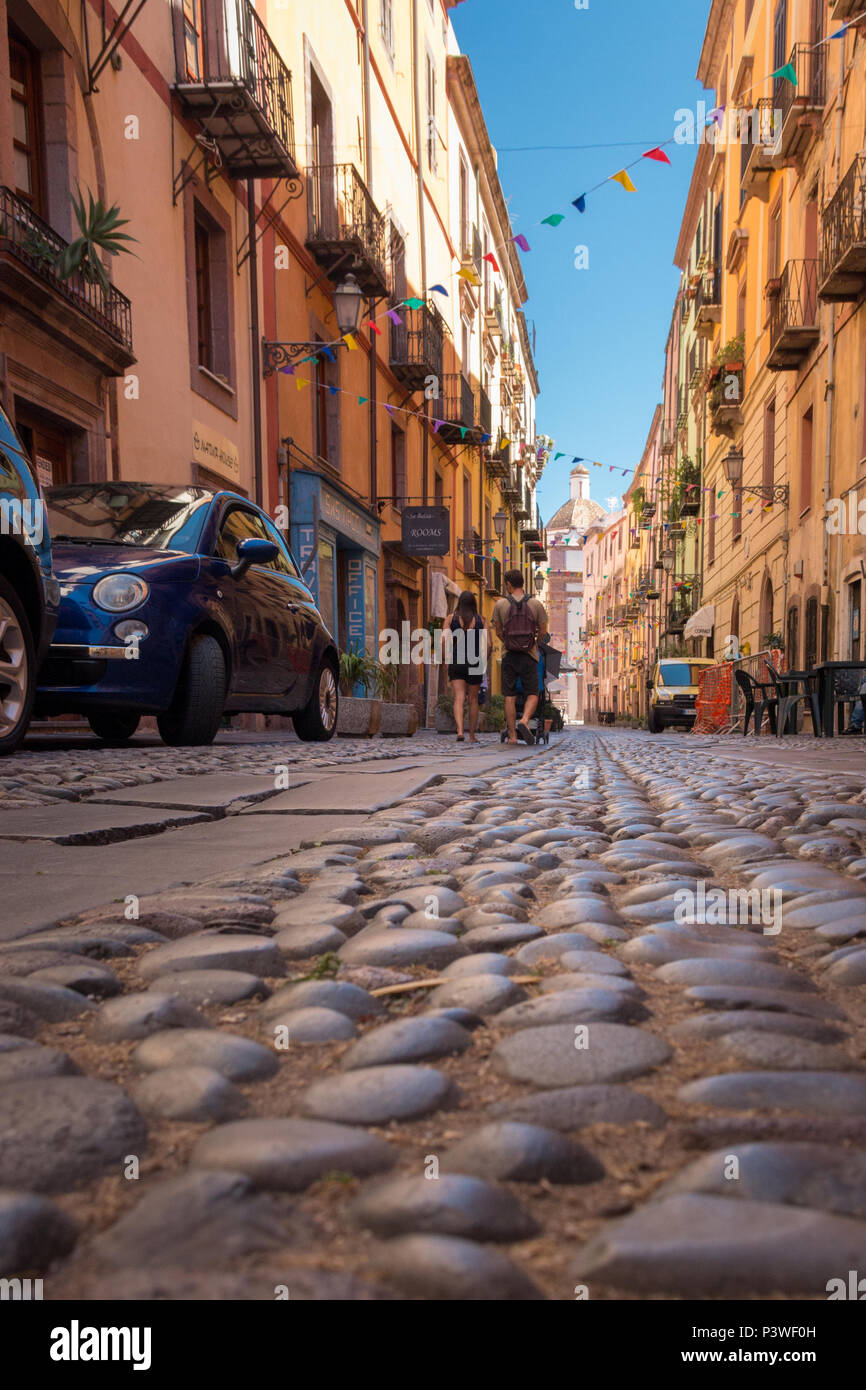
<point>358,718</point>
<point>444,723</point>
<point>398,721</point>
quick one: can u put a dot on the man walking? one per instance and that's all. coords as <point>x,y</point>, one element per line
<point>520,623</point>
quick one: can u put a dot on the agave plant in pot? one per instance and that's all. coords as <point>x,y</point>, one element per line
<point>443,720</point>
<point>359,715</point>
<point>399,718</point>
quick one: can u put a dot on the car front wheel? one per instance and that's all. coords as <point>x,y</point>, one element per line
<point>17,669</point>
<point>196,711</point>
<point>114,727</point>
<point>317,721</point>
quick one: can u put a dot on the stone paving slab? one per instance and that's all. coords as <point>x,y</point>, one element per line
<point>216,792</point>
<point>71,823</point>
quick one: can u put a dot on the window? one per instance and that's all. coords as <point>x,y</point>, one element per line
<point>398,267</point>
<point>284,562</point>
<point>432,137</point>
<point>203,296</point>
<point>467,507</point>
<point>398,466</point>
<point>240,525</point>
<point>193,39</point>
<point>793,640</point>
<point>711,537</point>
<point>387,25</point>
<point>737,518</point>
<point>774,241</point>
<point>210,291</point>
<point>326,409</point>
<point>768,471</point>
<point>26,125</point>
<point>466,352</point>
<point>806,461</point>
<point>741,308</point>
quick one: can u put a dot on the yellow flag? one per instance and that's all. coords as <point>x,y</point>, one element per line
<point>467,274</point>
<point>623,178</point>
<point>349,340</point>
<point>596,465</point>
<point>505,443</point>
<point>302,381</point>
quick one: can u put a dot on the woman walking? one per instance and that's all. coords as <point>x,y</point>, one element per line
<point>468,661</point>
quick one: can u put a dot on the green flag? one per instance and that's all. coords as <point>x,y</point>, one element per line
<point>414,303</point>
<point>788,72</point>
<point>553,220</point>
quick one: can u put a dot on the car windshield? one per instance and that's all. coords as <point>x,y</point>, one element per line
<point>159,518</point>
<point>679,673</point>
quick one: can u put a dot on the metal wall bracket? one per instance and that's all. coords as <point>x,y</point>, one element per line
<point>111,39</point>
<point>269,216</point>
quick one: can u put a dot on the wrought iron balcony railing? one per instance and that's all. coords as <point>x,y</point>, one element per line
<point>231,78</point>
<point>417,345</point>
<point>345,229</point>
<point>794,316</point>
<point>28,241</point>
<point>485,412</point>
<point>455,413</point>
<point>793,103</point>
<point>843,238</point>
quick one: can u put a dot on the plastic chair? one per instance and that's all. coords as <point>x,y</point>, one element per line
<point>804,690</point>
<point>751,690</point>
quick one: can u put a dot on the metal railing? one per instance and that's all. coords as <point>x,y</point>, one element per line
<point>458,401</point>
<point>808,64</point>
<point>341,209</point>
<point>796,304</point>
<point>485,412</point>
<point>709,291</point>
<point>235,47</point>
<point>35,244</point>
<point>844,217</point>
<point>417,343</point>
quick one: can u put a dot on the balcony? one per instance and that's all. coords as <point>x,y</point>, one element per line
<point>726,402</point>
<point>485,412</point>
<point>668,440</point>
<point>843,9</point>
<point>794,316</point>
<point>470,251</point>
<point>678,614</point>
<point>493,576</point>
<point>498,462</point>
<point>416,346</point>
<point>799,107</point>
<point>456,420</point>
<point>842,274</point>
<point>232,80</point>
<point>759,150</point>
<point>345,230</point>
<point>510,487</point>
<point>708,304</point>
<point>75,310</point>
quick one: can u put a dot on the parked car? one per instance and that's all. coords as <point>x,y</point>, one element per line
<point>183,603</point>
<point>672,692</point>
<point>29,593</point>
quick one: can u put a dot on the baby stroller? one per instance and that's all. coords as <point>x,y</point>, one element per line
<point>548,659</point>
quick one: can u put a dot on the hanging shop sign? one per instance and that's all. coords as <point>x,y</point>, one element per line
<point>426,530</point>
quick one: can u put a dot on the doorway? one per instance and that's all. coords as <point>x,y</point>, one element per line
<point>855,599</point>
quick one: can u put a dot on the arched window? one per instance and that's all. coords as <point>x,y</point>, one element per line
<point>810,652</point>
<point>766,610</point>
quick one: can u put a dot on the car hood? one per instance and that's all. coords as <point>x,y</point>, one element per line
<point>84,564</point>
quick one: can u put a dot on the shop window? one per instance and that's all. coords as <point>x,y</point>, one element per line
<point>26,122</point>
<point>326,585</point>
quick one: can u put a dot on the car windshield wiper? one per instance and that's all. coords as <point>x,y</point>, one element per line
<point>89,540</point>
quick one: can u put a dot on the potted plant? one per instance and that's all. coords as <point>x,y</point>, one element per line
<point>398,719</point>
<point>773,642</point>
<point>98,231</point>
<point>443,719</point>
<point>688,487</point>
<point>359,716</point>
<point>493,714</point>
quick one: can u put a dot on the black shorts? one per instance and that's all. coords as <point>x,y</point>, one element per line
<point>523,667</point>
<point>464,673</point>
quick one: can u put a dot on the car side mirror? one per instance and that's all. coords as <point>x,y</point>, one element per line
<point>253,552</point>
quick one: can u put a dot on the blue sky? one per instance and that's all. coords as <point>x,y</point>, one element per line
<point>549,74</point>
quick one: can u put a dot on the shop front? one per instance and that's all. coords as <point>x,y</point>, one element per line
<point>336,542</point>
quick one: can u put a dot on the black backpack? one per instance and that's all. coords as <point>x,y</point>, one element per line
<point>520,630</point>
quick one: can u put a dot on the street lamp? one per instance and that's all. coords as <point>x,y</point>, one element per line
<point>668,560</point>
<point>539,582</point>
<point>348,300</point>
<point>348,303</point>
<point>733,466</point>
<point>500,521</point>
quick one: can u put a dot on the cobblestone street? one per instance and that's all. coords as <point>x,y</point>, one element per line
<point>435,1022</point>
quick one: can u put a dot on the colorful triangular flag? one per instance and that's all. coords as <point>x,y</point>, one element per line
<point>394,317</point>
<point>328,353</point>
<point>439,289</point>
<point>789,72</point>
<point>625,182</point>
<point>374,327</point>
<point>301,382</point>
<point>580,203</point>
<point>657,153</point>
<point>349,340</point>
<point>493,261</point>
<point>414,303</point>
<point>520,240</point>
<point>468,274</point>
<point>553,220</point>
<point>362,400</point>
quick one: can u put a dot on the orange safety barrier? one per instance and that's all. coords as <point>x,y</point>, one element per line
<point>719,699</point>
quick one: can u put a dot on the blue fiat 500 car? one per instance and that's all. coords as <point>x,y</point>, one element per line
<point>29,595</point>
<point>182,603</point>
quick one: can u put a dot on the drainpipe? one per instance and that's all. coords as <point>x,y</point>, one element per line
<point>373,447</point>
<point>422,246</point>
<point>830,387</point>
<point>253,261</point>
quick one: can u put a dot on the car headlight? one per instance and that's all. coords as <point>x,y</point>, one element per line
<point>131,630</point>
<point>665,695</point>
<point>118,593</point>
